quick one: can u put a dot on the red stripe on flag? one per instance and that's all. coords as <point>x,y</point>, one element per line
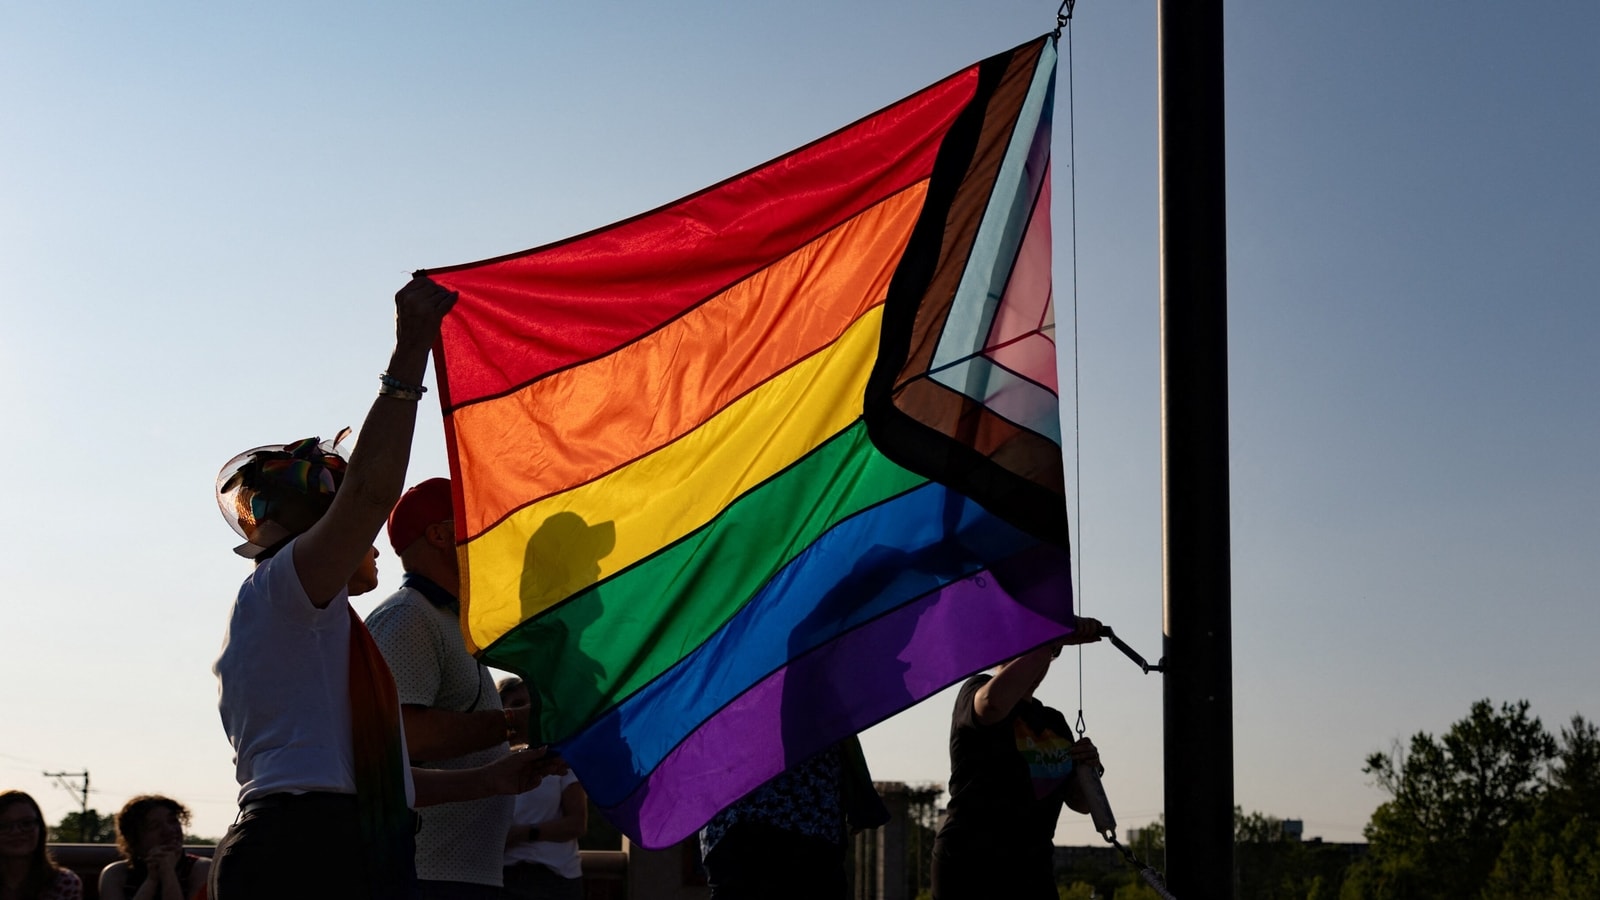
<point>527,315</point>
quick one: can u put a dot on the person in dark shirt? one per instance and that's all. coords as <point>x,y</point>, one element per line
<point>786,840</point>
<point>1011,761</point>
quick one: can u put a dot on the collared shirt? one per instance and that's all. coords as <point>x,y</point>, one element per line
<point>417,629</point>
<point>427,587</point>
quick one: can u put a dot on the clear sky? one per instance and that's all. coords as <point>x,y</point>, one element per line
<point>205,210</point>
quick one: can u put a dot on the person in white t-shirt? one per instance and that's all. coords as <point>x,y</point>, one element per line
<point>542,860</point>
<point>325,794</point>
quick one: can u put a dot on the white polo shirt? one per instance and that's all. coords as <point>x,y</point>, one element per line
<point>422,644</point>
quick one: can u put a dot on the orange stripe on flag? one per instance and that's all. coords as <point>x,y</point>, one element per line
<point>522,566</point>
<point>577,425</point>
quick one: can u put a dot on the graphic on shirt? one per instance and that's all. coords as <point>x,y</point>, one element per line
<point>1048,756</point>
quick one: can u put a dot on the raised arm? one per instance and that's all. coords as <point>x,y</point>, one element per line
<point>1012,684</point>
<point>329,552</point>
<point>1018,678</point>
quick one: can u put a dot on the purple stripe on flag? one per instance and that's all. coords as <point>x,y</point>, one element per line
<point>848,684</point>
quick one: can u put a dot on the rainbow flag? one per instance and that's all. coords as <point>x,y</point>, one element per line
<point>751,472</point>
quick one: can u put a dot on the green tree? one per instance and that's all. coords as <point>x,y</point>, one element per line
<point>85,828</point>
<point>1118,877</point>
<point>1556,853</point>
<point>1453,801</point>
<point>1271,866</point>
<point>1136,890</point>
<point>1256,828</point>
<point>1575,778</point>
<point>1151,844</point>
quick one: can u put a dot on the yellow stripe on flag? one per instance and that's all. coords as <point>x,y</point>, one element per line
<point>548,551</point>
<point>611,410</point>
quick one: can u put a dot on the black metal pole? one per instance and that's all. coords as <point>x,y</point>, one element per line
<point>1198,681</point>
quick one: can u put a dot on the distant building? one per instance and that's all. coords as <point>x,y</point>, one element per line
<point>1102,858</point>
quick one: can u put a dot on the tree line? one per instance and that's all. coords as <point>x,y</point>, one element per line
<point>1496,808</point>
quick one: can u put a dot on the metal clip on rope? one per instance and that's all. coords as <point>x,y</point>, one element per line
<point>1105,822</point>
<point>1063,16</point>
<point>1147,872</point>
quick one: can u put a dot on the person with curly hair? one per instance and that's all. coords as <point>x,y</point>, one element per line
<point>26,870</point>
<point>154,865</point>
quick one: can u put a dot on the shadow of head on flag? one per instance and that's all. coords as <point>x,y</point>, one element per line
<point>749,473</point>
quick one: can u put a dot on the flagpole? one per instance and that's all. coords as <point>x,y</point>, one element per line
<point>1197,683</point>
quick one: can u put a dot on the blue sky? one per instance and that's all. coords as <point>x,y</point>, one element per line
<point>205,209</point>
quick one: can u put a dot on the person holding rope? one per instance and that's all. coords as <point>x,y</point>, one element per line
<point>1011,758</point>
<point>306,699</point>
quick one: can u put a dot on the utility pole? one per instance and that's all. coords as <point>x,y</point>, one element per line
<point>83,802</point>
<point>1196,567</point>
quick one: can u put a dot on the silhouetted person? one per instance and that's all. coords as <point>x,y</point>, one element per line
<point>452,714</point>
<point>325,793</point>
<point>26,870</point>
<point>786,839</point>
<point>541,858</point>
<point>1010,761</point>
<point>153,864</point>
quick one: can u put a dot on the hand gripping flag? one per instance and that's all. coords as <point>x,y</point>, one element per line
<point>749,473</point>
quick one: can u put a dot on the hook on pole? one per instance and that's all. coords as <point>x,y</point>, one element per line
<point>1063,16</point>
<point>1131,653</point>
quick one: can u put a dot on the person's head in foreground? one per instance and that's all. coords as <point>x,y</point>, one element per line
<point>422,532</point>
<point>513,692</point>
<point>271,494</point>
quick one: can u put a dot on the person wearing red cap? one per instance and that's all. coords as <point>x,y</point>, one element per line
<point>452,712</point>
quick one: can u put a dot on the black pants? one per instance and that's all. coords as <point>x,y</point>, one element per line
<point>459,890</point>
<point>301,846</point>
<point>760,862</point>
<point>531,881</point>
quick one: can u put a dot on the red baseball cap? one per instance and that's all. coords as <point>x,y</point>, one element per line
<point>427,503</point>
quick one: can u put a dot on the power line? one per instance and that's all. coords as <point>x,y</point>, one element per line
<point>83,793</point>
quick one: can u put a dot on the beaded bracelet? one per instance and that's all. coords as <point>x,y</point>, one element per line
<point>390,386</point>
